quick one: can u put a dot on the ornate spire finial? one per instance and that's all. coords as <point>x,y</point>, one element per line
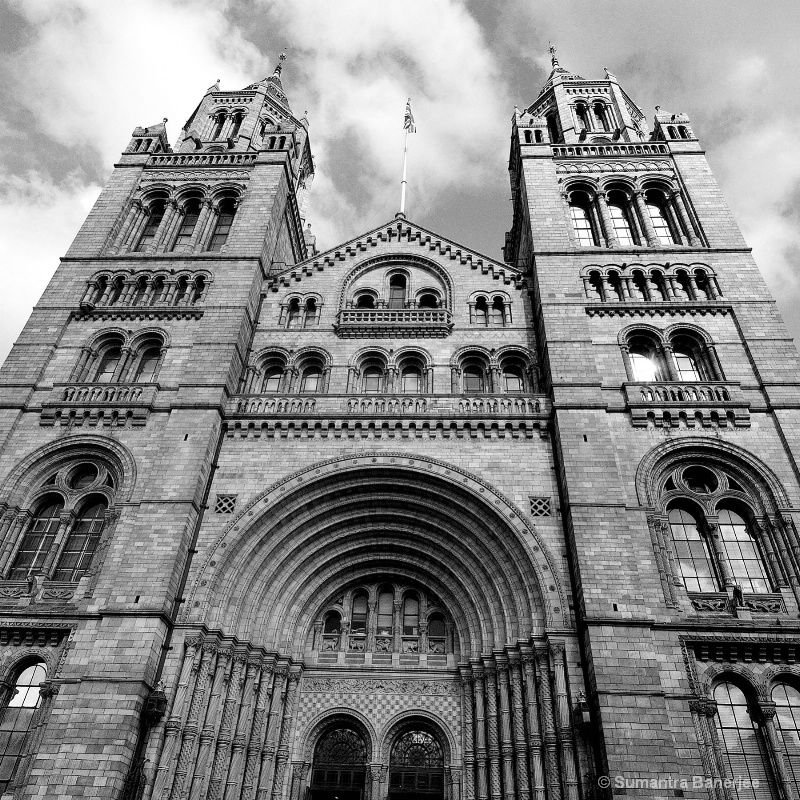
<point>553,59</point>
<point>281,59</point>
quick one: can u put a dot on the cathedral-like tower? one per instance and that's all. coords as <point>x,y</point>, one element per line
<point>398,520</point>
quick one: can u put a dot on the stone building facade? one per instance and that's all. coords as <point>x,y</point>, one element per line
<point>397,519</point>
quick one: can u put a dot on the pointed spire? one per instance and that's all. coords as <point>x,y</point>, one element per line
<point>553,59</point>
<point>279,67</point>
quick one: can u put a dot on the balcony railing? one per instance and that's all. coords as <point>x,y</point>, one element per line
<point>416,322</point>
<point>579,150</point>
<point>719,602</point>
<point>666,402</point>
<point>99,403</point>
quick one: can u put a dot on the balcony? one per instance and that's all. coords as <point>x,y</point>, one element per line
<point>669,404</point>
<point>106,404</point>
<point>380,323</point>
<point>720,603</point>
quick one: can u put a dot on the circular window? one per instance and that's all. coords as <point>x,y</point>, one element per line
<point>85,475</point>
<point>700,480</point>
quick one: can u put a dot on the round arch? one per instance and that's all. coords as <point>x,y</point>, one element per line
<point>335,718</point>
<point>438,525</point>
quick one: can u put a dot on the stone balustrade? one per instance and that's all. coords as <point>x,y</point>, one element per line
<point>416,322</point>
<point>106,404</point>
<point>594,150</point>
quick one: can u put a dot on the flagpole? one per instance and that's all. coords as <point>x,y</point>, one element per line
<point>404,181</point>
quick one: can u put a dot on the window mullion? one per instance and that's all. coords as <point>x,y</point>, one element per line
<point>774,749</point>
<point>66,523</point>
<point>720,560</point>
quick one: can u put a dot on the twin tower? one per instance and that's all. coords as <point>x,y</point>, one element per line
<point>397,519</point>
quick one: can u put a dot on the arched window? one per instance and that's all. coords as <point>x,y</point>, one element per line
<point>147,366</point>
<point>428,300</point>
<point>385,626</point>
<point>742,553</point>
<point>108,364</point>
<point>683,132</point>
<point>582,117</point>
<point>140,293</point>
<point>528,139</point>
<point>618,211</point>
<point>437,633</point>
<point>411,380</point>
<point>600,118</point>
<point>311,380</point>
<point>553,129</point>
<point>312,313</point>
<point>181,290</point>
<point>293,317</point>
<point>411,616</point>
<point>365,301</point>
<point>358,619</point>
<point>333,622</point>
<point>372,381</point>
<point>656,209</point>
<point>222,228</point>
<point>646,362</point>
<point>339,766</point>
<point>155,213</point>
<point>416,766</point>
<point>538,137</point>
<point>272,380</point>
<point>37,541</point>
<point>81,543</point>
<point>579,210</point>
<point>513,380</point>
<point>787,726</point>
<point>397,291</point>
<point>742,744</point>
<point>693,552</point>
<point>497,314</point>
<point>218,124</point>
<point>474,382</point>
<point>191,213</point>
<point>686,364</point>
<point>16,718</point>
<point>481,311</point>
<point>157,295</point>
<point>238,118</point>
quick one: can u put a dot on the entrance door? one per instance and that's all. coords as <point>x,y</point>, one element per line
<point>339,766</point>
<point>416,767</point>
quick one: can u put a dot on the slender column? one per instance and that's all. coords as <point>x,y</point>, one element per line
<point>169,292</point>
<point>480,731</point>
<point>494,379</point>
<point>605,218</point>
<point>625,283</point>
<point>564,727</point>
<point>204,231</point>
<point>371,620</point>
<point>13,540</point>
<point>397,621</point>
<point>535,742</point>
<point>573,239</point>
<point>454,780</point>
<point>423,637</point>
<point>506,746</point>
<point>686,223</point>
<point>637,233</point>
<point>47,692</point>
<point>650,234</point>
<point>286,728</point>
<point>80,367</point>
<point>492,724</point>
<point>165,228</point>
<point>128,291</point>
<point>701,717</point>
<point>374,781</point>
<point>455,380</point>
<point>789,547</point>
<point>211,723</point>
<point>90,295</point>
<point>199,226</point>
<point>166,765</point>
<point>299,775</point>
<point>713,288</point>
<point>250,380</point>
<point>273,730</point>
<point>122,364</point>
<point>256,744</point>
<point>202,669</point>
<point>134,214</point>
<point>132,239</point>
<point>606,292</point>
<point>719,551</point>
<point>468,723</point>
<point>518,718</point>
<point>242,731</point>
<point>768,711</point>
<point>655,538</point>
<point>694,291</point>
<point>764,536</point>
<point>550,738</point>
<point>66,521</point>
<point>147,299</point>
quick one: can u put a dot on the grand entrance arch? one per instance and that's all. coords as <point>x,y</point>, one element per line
<point>339,768</point>
<point>416,766</point>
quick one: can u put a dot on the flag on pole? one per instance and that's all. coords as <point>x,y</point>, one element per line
<point>408,123</point>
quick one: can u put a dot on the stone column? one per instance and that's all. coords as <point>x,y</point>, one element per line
<point>163,237</point>
<point>564,730</point>
<point>768,711</point>
<point>694,291</point>
<point>650,234</point>
<point>397,621</point>
<point>13,539</point>
<point>166,763</point>
<point>199,227</point>
<point>370,626</point>
<point>47,693</point>
<point>492,731</point>
<point>763,533</point>
<point>455,380</point>
<point>454,781</point>
<point>373,788</point>
<point>282,755</point>
<point>728,581</point>
<point>506,747</point>
<point>80,367</point>
<point>233,785</point>
<point>122,365</point>
<point>480,732</point>
<point>686,223</point>
<point>518,717</point>
<point>468,723</point>
<point>203,232</point>
<point>701,716</point>
<point>66,521</point>
<point>552,771</point>
<point>607,227</point>
<point>299,778</point>
<point>258,732</point>
<point>273,731</point>
<point>135,213</point>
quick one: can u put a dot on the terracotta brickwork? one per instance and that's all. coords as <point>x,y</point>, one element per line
<point>255,496</point>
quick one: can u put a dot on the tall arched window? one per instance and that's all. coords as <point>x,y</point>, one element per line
<point>686,364</point>
<point>646,362</point>
<point>81,543</point>
<point>272,379</point>
<point>553,129</point>
<point>397,291</point>
<point>742,553</point>
<point>416,766</point>
<point>411,615</point>
<point>693,552</point>
<point>618,211</point>
<point>742,744</point>
<point>481,311</point>
<point>222,228</point>
<point>108,364</point>
<point>358,619</point>
<point>38,540</point>
<point>191,213</point>
<point>513,380</point>
<point>582,116</point>
<point>599,114</point>
<point>385,620</point>
<point>293,316</point>
<point>312,313</point>
<point>218,124</point>
<point>787,725</point>
<point>474,382</point>
<point>238,118</point>
<point>497,315</point>
<point>411,380</point>
<point>372,381</point>
<point>339,766</point>
<point>16,718</point>
<point>311,380</point>
<point>147,366</point>
<point>656,209</point>
<point>365,301</point>
<point>154,217</point>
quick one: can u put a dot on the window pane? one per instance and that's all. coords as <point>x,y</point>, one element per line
<point>411,617</point>
<point>385,611</point>
<point>294,313</point>
<point>742,552</point>
<point>513,380</point>
<point>272,380</point>
<point>188,224</point>
<point>692,552</point>
<point>687,366</point>
<point>497,315</point>
<point>36,542</point>
<point>108,365</point>
<point>787,724</point>
<point>311,313</point>
<point>619,220</point>
<point>372,380</point>
<point>311,379</point>
<point>582,225</point>
<point>397,292</point>
<point>412,381</point>
<point>473,380</point>
<point>660,224</point>
<point>644,366</point>
<point>742,745</point>
<point>223,226</point>
<point>481,311</point>
<point>359,616</point>
<point>151,228</point>
<point>81,544</point>
<point>146,370</point>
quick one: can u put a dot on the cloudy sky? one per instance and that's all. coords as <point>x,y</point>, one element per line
<point>76,76</point>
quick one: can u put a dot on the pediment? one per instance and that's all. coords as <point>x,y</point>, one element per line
<point>410,239</point>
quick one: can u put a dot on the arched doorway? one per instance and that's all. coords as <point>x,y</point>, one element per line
<point>416,767</point>
<point>339,767</point>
